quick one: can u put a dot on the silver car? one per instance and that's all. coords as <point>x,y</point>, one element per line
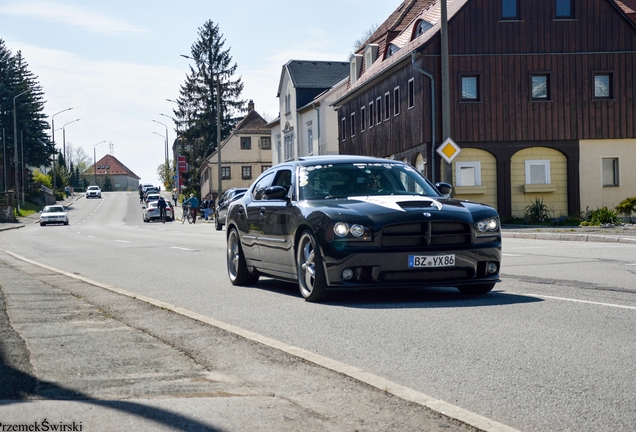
<point>54,214</point>
<point>93,192</point>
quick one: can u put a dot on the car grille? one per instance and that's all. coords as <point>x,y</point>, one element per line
<point>428,234</point>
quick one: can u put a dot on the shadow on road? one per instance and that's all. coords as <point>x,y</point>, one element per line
<point>422,298</point>
<point>19,387</point>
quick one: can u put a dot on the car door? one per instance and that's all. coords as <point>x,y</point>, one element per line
<point>251,230</point>
<point>275,226</point>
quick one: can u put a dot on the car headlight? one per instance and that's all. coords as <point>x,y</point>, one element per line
<point>488,225</point>
<point>343,230</point>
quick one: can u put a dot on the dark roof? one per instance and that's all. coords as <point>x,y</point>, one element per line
<point>316,74</point>
<point>629,7</point>
<point>115,167</point>
<point>252,123</point>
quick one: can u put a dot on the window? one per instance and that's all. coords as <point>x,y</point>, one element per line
<point>470,88</point>
<point>246,172</point>
<point>265,168</point>
<point>421,28</point>
<point>246,143</point>
<point>287,103</point>
<point>261,185</point>
<point>371,115</point>
<point>378,110</point>
<point>278,149</point>
<point>266,143</point>
<point>391,49</point>
<point>540,87</point>
<point>289,147</point>
<point>387,106</point>
<point>363,119</point>
<point>343,129</point>
<point>603,85</point>
<point>396,100</point>
<point>353,124</point>
<point>468,173</point>
<point>411,92</point>
<point>510,9</point>
<point>564,9</point>
<point>610,172</point>
<point>537,172</point>
<point>226,173</point>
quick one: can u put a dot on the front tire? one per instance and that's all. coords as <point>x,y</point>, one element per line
<point>311,273</point>
<point>477,289</point>
<point>236,266</point>
<point>217,224</point>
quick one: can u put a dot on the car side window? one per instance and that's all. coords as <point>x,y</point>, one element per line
<point>283,178</point>
<point>261,185</point>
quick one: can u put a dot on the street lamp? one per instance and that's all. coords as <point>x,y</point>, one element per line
<point>53,139</point>
<point>15,149</point>
<point>95,162</point>
<point>175,155</point>
<point>218,124</point>
<point>166,137</point>
<point>64,138</point>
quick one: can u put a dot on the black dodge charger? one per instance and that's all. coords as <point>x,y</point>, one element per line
<point>351,222</point>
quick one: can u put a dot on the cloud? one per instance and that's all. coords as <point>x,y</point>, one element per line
<point>70,15</point>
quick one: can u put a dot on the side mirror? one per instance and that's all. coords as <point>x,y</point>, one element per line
<point>444,188</point>
<point>275,192</point>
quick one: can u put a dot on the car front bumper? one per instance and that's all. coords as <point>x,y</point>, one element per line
<point>388,269</point>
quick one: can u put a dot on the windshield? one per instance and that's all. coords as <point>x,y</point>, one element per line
<point>53,210</point>
<point>362,179</point>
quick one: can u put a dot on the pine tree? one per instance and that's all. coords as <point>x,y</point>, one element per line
<point>31,123</point>
<point>196,112</point>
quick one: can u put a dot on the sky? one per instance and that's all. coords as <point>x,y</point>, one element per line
<point>115,63</point>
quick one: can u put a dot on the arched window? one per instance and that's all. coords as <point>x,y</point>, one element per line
<point>421,28</point>
<point>391,49</point>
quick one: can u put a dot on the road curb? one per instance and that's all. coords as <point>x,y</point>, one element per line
<point>570,237</point>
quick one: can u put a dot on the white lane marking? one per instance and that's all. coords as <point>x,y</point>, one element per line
<point>631,264</point>
<point>510,255</point>
<point>91,236</point>
<point>583,301</point>
<point>122,241</point>
<point>449,410</point>
<point>180,248</point>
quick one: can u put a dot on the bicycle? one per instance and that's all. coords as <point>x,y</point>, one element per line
<point>187,214</point>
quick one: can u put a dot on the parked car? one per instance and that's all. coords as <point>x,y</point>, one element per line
<point>54,214</point>
<point>349,222</point>
<point>151,197</point>
<point>93,192</point>
<point>220,212</point>
<point>151,212</point>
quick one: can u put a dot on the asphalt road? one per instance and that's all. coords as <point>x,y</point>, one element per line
<point>551,348</point>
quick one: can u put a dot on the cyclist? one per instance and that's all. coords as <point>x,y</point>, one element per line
<point>161,204</point>
<point>193,202</point>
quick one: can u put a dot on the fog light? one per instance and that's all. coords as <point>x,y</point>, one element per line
<point>347,274</point>
<point>491,268</point>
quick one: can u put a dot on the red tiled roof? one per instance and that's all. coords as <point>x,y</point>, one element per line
<point>629,7</point>
<point>111,165</point>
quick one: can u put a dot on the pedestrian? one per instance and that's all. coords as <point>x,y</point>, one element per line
<point>194,205</point>
<point>206,208</point>
<point>161,204</point>
<point>175,196</point>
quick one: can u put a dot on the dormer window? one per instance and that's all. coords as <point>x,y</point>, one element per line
<point>391,49</point>
<point>421,28</point>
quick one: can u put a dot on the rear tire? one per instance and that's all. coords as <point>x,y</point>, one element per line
<point>477,289</point>
<point>311,273</point>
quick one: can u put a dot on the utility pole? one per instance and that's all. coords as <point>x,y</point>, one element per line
<point>15,152</point>
<point>446,111</point>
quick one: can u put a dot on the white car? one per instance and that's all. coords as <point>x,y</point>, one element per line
<point>93,192</point>
<point>54,214</point>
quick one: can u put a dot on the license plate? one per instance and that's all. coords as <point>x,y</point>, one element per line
<point>431,260</point>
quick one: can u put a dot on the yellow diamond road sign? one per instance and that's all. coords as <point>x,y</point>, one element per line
<point>449,150</point>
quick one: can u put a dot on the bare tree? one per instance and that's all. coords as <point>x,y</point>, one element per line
<point>367,34</point>
<point>78,157</point>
